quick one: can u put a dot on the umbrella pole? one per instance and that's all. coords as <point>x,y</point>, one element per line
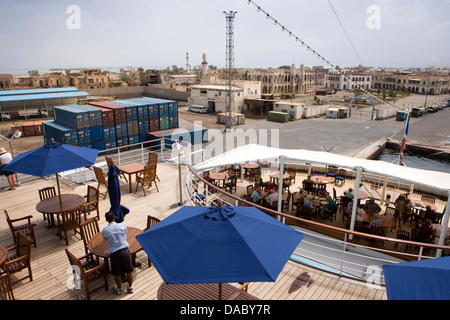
<point>59,190</point>
<point>220,291</point>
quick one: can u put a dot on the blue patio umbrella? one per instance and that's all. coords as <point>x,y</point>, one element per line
<point>217,245</point>
<point>115,195</point>
<point>418,280</point>
<point>52,158</point>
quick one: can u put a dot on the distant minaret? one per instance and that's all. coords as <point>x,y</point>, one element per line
<point>188,66</point>
<point>204,66</point>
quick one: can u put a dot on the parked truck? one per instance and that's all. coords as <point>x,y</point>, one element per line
<point>5,116</point>
<point>417,112</point>
<point>35,112</point>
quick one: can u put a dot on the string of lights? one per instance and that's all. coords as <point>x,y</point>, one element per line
<point>319,56</point>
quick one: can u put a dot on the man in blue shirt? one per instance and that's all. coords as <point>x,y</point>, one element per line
<point>119,254</point>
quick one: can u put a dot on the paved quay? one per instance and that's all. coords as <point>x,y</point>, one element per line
<point>351,137</point>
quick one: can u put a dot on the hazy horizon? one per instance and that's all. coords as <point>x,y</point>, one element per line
<point>154,35</point>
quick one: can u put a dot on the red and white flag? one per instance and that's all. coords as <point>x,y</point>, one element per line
<point>405,134</point>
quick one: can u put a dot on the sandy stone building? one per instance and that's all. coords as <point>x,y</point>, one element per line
<point>417,82</point>
<point>281,81</point>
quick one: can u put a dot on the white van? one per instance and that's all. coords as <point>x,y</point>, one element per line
<point>198,109</point>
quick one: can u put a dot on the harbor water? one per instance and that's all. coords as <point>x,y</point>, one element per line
<point>415,160</point>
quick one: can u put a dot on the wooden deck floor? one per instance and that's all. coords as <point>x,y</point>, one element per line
<point>49,261</point>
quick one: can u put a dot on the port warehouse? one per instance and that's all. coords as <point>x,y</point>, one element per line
<point>13,101</point>
<point>112,124</point>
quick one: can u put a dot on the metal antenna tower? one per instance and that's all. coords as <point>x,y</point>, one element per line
<point>230,61</point>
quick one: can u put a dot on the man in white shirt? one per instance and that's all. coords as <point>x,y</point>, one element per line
<point>119,254</point>
<point>273,196</point>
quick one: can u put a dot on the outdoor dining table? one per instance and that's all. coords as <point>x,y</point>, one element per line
<point>321,179</point>
<point>53,206</point>
<point>250,166</point>
<point>131,169</point>
<point>3,254</point>
<point>99,246</point>
<point>387,221</point>
<point>219,176</point>
<point>422,205</point>
<point>276,175</point>
<point>201,291</point>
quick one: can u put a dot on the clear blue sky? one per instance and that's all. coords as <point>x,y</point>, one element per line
<point>157,34</point>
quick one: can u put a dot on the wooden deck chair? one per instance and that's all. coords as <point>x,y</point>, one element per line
<point>25,228</point>
<point>70,220</point>
<point>153,159</point>
<point>6,291</point>
<point>101,180</point>
<point>20,259</point>
<point>91,270</point>
<point>146,178</point>
<point>45,194</point>
<point>151,221</point>
<point>88,230</point>
<point>92,202</point>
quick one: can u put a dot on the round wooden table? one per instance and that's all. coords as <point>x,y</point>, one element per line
<point>219,176</point>
<point>276,175</point>
<point>52,206</point>
<point>251,165</point>
<point>3,254</point>
<point>99,247</point>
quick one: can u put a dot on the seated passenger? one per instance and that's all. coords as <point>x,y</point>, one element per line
<point>426,232</point>
<point>349,194</point>
<point>328,209</point>
<point>273,196</point>
<point>256,195</point>
<point>372,207</point>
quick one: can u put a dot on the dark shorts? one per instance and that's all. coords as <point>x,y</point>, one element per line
<point>121,262</point>
<point>7,173</point>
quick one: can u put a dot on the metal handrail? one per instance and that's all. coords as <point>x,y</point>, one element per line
<point>346,233</point>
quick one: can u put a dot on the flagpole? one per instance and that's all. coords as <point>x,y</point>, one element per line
<point>405,134</point>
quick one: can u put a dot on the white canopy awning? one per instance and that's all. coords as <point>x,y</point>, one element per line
<point>253,153</point>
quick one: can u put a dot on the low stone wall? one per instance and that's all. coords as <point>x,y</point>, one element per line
<point>136,92</point>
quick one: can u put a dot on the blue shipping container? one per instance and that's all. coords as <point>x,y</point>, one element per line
<point>142,112</point>
<point>173,108</point>
<point>122,142</point>
<point>109,132</point>
<point>95,115</point>
<point>110,145</point>
<point>60,133</point>
<point>144,125</point>
<point>99,145</point>
<point>153,111</point>
<point>131,110</point>
<point>132,140</point>
<point>163,109</point>
<point>121,130</point>
<point>143,137</point>
<point>72,116</point>
<point>173,121</point>
<point>96,133</point>
<point>84,136</point>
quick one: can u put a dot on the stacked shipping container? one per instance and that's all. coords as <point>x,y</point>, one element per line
<point>107,125</point>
